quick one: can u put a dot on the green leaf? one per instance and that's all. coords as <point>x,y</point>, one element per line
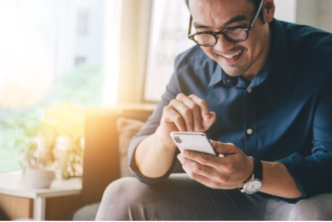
<point>6,124</point>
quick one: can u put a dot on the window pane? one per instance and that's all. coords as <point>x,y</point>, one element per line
<point>52,54</point>
<point>168,37</point>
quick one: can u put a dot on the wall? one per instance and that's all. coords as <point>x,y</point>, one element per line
<point>315,13</point>
<point>286,10</point>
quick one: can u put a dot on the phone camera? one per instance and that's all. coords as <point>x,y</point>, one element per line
<point>177,139</point>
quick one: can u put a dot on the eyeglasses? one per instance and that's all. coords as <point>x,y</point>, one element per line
<point>232,34</point>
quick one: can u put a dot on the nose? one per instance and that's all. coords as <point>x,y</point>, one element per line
<point>223,45</point>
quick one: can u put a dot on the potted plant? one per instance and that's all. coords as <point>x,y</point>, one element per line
<point>27,136</point>
<point>67,122</point>
<point>50,141</point>
<point>38,160</point>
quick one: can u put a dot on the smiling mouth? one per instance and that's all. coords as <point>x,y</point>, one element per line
<point>231,56</point>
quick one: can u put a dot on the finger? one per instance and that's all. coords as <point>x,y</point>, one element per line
<point>207,116</point>
<point>180,157</point>
<point>224,148</point>
<point>202,158</point>
<point>186,113</point>
<point>196,112</point>
<point>205,111</point>
<point>172,116</point>
<point>204,174</point>
<point>207,122</point>
<point>195,167</point>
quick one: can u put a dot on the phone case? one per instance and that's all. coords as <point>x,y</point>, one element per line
<point>193,141</point>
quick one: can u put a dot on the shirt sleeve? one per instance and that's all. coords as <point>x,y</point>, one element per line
<point>312,174</point>
<point>172,90</point>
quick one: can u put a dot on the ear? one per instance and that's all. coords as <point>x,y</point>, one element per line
<point>268,10</point>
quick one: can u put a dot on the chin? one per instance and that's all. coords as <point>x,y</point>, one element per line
<point>233,71</point>
<point>233,74</point>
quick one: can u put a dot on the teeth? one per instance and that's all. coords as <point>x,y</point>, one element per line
<point>231,56</point>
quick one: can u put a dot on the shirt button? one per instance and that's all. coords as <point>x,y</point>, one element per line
<point>249,90</point>
<point>249,131</point>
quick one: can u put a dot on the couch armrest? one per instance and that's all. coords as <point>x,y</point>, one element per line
<point>101,163</point>
<point>101,154</point>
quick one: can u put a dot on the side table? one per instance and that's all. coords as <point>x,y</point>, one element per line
<point>20,201</point>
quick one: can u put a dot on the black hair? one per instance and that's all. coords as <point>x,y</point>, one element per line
<point>255,2</point>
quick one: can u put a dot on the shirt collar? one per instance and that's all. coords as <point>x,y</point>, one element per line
<point>220,76</point>
<point>278,62</point>
<point>217,76</point>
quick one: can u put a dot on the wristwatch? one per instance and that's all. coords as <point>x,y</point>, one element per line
<point>254,183</point>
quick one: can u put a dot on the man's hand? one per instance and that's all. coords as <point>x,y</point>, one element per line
<point>185,113</point>
<point>228,170</point>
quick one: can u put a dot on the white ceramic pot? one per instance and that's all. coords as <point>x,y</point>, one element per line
<point>38,178</point>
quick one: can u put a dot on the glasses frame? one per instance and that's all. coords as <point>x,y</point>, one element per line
<point>222,32</point>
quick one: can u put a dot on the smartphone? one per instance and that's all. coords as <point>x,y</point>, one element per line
<point>193,141</point>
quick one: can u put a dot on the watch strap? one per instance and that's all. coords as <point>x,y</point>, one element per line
<point>258,169</point>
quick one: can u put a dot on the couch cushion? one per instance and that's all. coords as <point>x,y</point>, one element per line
<point>127,128</point>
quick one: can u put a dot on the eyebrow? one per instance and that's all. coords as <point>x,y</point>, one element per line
<point>237,18</point>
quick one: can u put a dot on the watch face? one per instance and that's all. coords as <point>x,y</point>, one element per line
<point>252,186</point>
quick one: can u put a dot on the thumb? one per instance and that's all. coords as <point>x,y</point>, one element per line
<point>224,148</point>
<point>208,120</point>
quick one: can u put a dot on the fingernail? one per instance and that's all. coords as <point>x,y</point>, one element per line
<point>207,116</point>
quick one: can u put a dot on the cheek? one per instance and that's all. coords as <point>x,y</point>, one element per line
<point>254,43</point>
<point>252,50</point>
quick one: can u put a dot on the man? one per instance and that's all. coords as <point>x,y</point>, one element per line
<point>261,90</point>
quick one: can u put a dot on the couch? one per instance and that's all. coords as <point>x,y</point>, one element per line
<point>107,136</point>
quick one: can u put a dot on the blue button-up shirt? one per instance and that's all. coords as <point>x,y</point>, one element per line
<point>284,114</point>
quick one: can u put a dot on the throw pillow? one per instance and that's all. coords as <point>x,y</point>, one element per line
<point>127,129</point>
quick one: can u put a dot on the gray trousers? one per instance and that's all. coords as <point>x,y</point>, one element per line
<point>180,198</point>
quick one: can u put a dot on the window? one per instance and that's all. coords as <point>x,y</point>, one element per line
<point>53,53</point>
<point>168,37</point>
<point>82,22</point>
<point>80,60</point>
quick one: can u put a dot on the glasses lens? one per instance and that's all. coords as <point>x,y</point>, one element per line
<point>236,34</point>
<point>205,39</point>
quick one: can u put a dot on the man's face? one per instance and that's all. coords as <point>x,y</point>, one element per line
<point>237,59</point>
